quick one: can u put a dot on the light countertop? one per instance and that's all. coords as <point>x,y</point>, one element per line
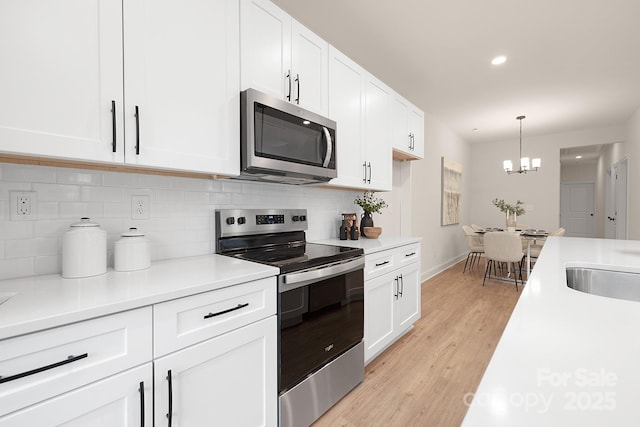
<point>42,302</point>
<point>566,358</point>
<point>371,246</point>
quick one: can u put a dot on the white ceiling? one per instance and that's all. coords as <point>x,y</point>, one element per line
<point>572,64</point>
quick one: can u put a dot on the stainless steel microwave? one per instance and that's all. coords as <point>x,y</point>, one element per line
<point>281,142</point>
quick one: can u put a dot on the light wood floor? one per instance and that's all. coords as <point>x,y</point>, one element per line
<point>422,379</point>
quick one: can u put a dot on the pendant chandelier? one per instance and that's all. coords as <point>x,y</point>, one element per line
<point>524,161</point>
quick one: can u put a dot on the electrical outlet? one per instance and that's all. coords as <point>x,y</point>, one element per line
<point>23,205</point>
<point>140,207</point>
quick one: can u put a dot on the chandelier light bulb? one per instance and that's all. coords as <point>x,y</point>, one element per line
<point>507,165</point>
<point>524,163</point>
<point>535,163</point>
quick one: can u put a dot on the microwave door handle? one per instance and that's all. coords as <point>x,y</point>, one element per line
<point>327,136</point>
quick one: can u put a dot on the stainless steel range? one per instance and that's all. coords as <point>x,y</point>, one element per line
<point>320,307</point>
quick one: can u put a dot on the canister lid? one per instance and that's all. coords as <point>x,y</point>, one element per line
<point>133,232</point>
<point>85,222</point>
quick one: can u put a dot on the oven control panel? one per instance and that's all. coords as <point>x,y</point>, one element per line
<point>240,222</point>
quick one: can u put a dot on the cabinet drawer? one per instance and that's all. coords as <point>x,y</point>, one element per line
<point>44,364</point>
<point>186,321</point>
<point>378,264</point>
<point>407,254</point>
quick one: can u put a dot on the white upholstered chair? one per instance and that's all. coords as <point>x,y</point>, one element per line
<point>503,247</point>
<point>539,243</point>
<point>476,248</point>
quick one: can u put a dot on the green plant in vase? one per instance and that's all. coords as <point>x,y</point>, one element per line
<point>370,204</point>
<point>511,211</point>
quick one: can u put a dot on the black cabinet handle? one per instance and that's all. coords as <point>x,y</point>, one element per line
<point>69,359</point>
<point>289,78</point>
<point>113,125</point>
<point>378,264</point>
<point>364,179</point>
<point>369,166</point>
<point>410,140</point>
<point>237,307</point>
<point>298,82</point>
<point>411,254</point>
<point>170,413</point>
<point>401,285</point>
<point>397,288</point>
<point>137,114</point>
<point>141,389</point>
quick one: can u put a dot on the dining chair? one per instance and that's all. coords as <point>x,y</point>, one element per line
<point>476,247</point>
<point>537,247</point>
<point>503,247</point>
<point>476,227</point>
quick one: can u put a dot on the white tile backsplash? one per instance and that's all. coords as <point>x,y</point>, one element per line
<point>180,220</point>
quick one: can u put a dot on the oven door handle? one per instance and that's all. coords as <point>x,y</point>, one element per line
<point>295,280</point>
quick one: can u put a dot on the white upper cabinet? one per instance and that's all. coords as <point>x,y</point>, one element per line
<point>281,57</point>
<point>63,87</point>
<point>407,130</point>
<point>61,72</point>
<point>181,73</point>
<point>360,104</point>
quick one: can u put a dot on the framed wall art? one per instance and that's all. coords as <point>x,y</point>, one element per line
<point>451,191</point>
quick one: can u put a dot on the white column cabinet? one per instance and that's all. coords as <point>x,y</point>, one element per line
<point>61,71</point>
<point>407,134</point>
<point>392,297</point>
<point>360,105</point>
<point>281,57</point>
<point>70,67</point>
<point>181,78</point>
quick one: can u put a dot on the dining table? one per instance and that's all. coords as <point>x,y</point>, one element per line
<point>530,235</point>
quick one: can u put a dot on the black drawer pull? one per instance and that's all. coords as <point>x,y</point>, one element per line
<point>237,307</point>
<point>69,359</point>
<point>137,116</point>
<point>113,125</point>
<point>380,264</point>
<point>411,254</point>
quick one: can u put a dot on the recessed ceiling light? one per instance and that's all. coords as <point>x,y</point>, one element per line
<point>499,60</point>
<point>578,157</point>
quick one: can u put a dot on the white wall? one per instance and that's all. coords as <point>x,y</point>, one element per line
<point>441,245</point>
<point>539,190</point>
<point>181,212</point>
<point>633,150</point>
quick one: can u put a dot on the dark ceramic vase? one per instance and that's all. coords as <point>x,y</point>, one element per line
<point>366,221</point>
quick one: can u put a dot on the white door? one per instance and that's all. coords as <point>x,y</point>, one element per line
<point>610,206</point>
<point>577,209</point>
<point>182,77</point>
<point>310,69</point>
<point>230,380</point>
<point>61,72</point>
<point>114,401</point>
<point>620,182</point>
<point>379,313</point>
<point>265,48</point>
<point>377,141</point>
<point>346,107</point>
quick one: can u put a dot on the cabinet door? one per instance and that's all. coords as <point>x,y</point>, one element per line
<point>227,380</point>
<point>400,133</point>
<point>181,75</point>
<point>416,127</point>
<point>310,68</point>
<point>265,48</point>
<point>61,70</point>
<point>346,107</point>
<point>377,135</point>
<point>409,301</point>
<point>114,401</point>
<point>379,313</point>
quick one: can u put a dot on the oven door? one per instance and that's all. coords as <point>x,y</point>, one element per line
<point>321,315</point>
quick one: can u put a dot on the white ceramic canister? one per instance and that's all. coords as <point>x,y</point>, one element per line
<point>84,250</point>
<point>132,251</point>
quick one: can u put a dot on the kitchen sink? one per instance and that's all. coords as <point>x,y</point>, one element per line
<point>606,283</point>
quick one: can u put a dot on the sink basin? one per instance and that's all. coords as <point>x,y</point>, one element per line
<point>606,283</point>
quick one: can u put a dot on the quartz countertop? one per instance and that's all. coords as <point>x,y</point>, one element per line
<point>566,358</point>
<point>371,246</point>
<point>41,302</point>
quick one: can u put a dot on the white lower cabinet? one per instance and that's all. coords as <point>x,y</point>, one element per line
<point>229,380</point>
<point>392,298</point>
<point>124,399</point>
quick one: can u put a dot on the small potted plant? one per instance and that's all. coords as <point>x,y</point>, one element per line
<point>511,212</point>
<point>370,204</point>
